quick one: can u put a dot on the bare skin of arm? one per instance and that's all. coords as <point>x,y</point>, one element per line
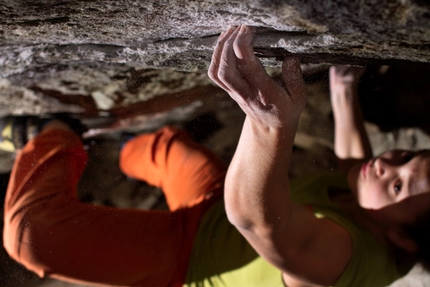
<point>309,251</point>
<point>351,143</point>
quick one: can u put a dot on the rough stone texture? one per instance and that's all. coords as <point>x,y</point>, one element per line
<point>181,33</point>
<point>95,55</point>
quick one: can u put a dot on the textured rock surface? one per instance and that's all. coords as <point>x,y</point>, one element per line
<point>181,33</point>
<point>91,53</point>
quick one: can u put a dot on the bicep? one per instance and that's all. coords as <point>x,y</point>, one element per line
<point>310,250</point>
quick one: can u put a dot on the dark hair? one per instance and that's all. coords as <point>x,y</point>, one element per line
<point>419,231</point>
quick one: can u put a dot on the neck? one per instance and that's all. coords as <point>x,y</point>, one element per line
<point>371,222</point>
<point>349,205</point>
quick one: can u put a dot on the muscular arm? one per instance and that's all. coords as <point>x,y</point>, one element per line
<point>310,250</point>
<point>351,143</point>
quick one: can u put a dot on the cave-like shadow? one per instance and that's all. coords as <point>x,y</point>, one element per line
<point>395,97</point>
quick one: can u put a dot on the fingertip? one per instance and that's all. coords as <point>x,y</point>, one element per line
<point>224,36</point>
<point>234,29</point>
<point>229,31</point>
<point>247,28</point>
<point>245,36</point>
<point>243,28</point>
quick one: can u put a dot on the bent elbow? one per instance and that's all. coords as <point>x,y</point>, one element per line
<point>238,218</point>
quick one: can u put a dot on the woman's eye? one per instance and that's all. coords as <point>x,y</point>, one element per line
<point>397,187</point>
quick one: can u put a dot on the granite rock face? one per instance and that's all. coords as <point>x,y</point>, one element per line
<point>97,50</point>
<point>181,34</point>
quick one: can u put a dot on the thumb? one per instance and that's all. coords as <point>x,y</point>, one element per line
<point>293,78</point>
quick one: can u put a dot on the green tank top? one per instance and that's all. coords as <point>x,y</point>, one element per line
<point>222,257</point>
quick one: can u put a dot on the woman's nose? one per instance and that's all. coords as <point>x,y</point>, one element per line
<point>380,167</point>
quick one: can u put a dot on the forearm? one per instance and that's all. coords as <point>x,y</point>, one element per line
<point>351,144</point>
<point>350,140</point>
<point>257,189</point>
<point>257,196</point>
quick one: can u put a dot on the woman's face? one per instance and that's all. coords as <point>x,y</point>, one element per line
<point>392,182</point>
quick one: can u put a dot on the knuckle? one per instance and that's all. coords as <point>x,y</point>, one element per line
<point>237,44</point>
<point>224,74</point>
<point>212,71</point>
<point>228,45</point>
